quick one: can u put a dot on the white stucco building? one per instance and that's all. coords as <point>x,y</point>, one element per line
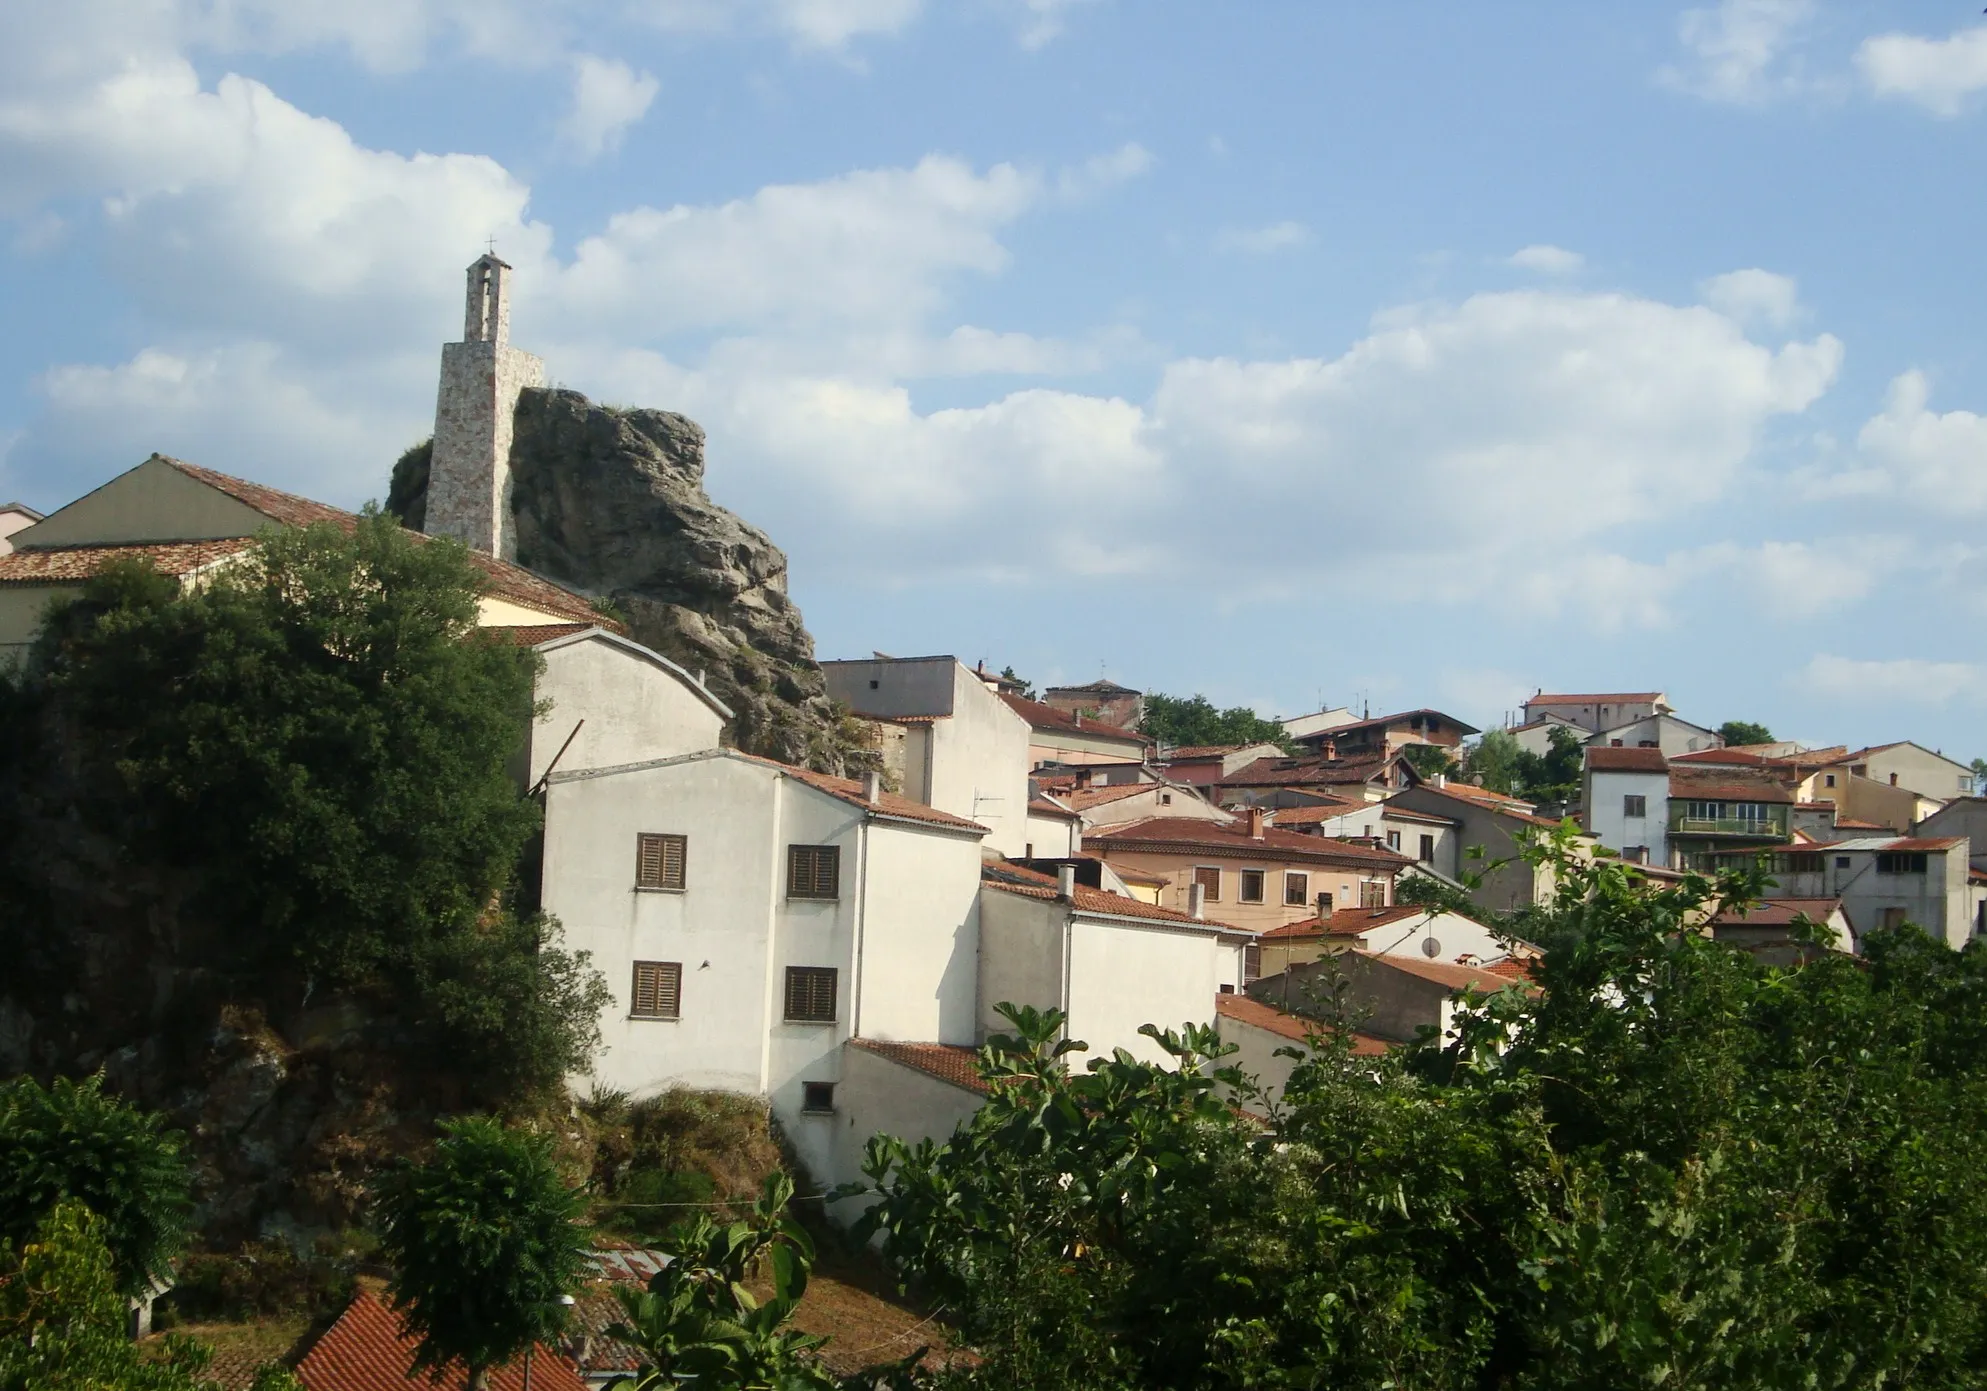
<point>955,744</point>
<point>1625,802</point>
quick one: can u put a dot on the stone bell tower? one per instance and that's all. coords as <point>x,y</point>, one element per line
<point>469,480</point>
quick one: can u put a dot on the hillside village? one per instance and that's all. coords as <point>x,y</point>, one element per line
<point>838,945</point>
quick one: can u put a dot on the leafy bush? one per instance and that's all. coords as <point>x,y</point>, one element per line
<point>678,1146</point>
<point>70,1141</point>
<point>263,1279</point>
<point>1675,1166</point>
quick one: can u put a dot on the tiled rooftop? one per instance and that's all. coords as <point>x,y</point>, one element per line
<point>367,1350</point>
<point>948,1062</point>
<point>1232,838</point>
<point>1018,879</point>
<point>1295,1027</point>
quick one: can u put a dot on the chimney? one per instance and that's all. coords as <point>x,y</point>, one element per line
<point>1197,901</point>
<point>1083,777</point>
<point>872,788</point>
<point>1441,779</point>
<point>1255,823</point>
<point>1066,883</point>
<point>1331,750</point>
<point>1324,905</point>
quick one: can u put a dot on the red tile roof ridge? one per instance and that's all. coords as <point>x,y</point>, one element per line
<point>1232,837</point>
<point>1350,922</point>
<point>1084,797</point>
<point>1244,1010</point>
<point>1043,716</point>
<point>48,564</point>
<point>368,1349</point>
<point>1610,760</point>
<point>1441,972</point>
<point>948,1062</point>
<point>1019,879</point>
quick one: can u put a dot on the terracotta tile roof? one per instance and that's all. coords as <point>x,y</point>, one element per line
<point>506,580</point>
<point>533,634</point>
<point>1606,760</point>
<point>57,563</point>
<point>1441,972</point>
<point>620,1263</point>
<point>1482,796</point>
<point>1018,879</point>
<point>1314,816</point>
<point>850,790</point>
<point>1600,698</point>
<point>1315,772</point>
<point>366,1350</point>
<point>1101,686</point>
<point>1207,750</point>
<point>1779,912</point>
<point>1040,716</point>
<point>948,1062</point>
<point>1181,833</point>
<point>1703,785</point>
<point>1349,922</point>
<point>1511,968</point>
<point>1083,798</point>
<point>1848,824</point>
<point>1042,806</point>
<point>1244,1010</point>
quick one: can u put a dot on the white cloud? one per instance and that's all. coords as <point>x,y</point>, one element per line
<point>1264,241</point>
<point>1938,74</point>
<point>1101,173</point>
<point>1910,451</point>
<point>828,25</point>
<point>1552,260</point>
<point>1044,21</point>
<point>608,97</point>
<point>1753,296</point>
<point>1903,681</point>
<point>1736,49</point>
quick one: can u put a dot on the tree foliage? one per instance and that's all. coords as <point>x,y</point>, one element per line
<point>484,1239</point>
<point>304,761</point>
<point>1429,760</point>
<point>1739,733</point>
<point>1499,762</point>
<point>1673,1166</point>
<point>1191,721</point>
<point>62,1320</point>
<point>69,1141</point>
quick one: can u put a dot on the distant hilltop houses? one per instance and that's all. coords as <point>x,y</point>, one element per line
<point>838,945</point>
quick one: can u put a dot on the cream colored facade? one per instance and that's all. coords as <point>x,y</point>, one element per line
<point>612,701</point>
<point>1911,766</point>
<point>1459,940</point>
<point>14,517</point>
<point>1284,875</point>
<point>1114,806</point>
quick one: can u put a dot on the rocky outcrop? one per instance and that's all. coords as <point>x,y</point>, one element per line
<point>612,503</point>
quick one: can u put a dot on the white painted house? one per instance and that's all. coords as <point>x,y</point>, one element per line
<point>955,744</point>
<point>611,701</point>
<point>751,918</point>
<point>1625,802</point>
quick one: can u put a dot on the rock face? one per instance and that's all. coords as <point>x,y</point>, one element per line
<point>612,503</point>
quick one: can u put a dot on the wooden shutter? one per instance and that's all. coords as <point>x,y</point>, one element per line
<point>1296,890</point>
<point>1209,878</point>
<point>658,992</point>
<point>660,860</point>
<point>814,871</point>
<point>811,994</point>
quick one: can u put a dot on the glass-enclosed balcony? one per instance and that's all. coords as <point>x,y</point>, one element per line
<point>1752,820</point>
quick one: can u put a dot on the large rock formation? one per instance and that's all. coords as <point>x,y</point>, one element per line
<point>612,503</point>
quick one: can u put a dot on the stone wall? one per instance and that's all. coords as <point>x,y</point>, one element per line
<point>470,473</point>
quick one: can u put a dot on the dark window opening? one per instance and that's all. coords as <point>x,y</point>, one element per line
<point>817,1098</point>
<point>814,871</point>
<point>811,994</point>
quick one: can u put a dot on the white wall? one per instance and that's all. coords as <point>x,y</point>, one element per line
<point>920,936</point>
<point>636,706</point>
<point>1457,935</point>
<point>1613,827</point>
<point>1665,732</point>
<point>1021,955</point>
<point>1123,976</point>
<point>1054,838</point>
<point>979,763</point>
<point>1256,1054</point>
<point>879,1097</point>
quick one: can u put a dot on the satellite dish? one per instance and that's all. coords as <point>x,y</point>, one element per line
<point>1430,948</point>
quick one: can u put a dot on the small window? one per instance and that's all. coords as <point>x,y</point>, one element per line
<point>1901,864</point>
<point>1646,744</point>
<point>1252,964</point>
<point>1252,886</point>
<point>1635,804</point>
<point>1828,779</point>
<point>659,861</point>
<point>1366,831</point>
<point>874,684</point>
<point>1842,862</point>
<point>1614,743</point>
<point>817,1098</point>
<point>1635,854</point>
<point>1393,840</point>
<point>1209,879</point>
<point>1428,850</point>
<point>1296,890</point>
<point>1893,918</point>
<point>814,871</point>
<point>1893,780</point>
<point>811,994</point>
<point>658,992</point>
<point>1372,894</point>
<point>1325,904</point>
<point>1165,799</point>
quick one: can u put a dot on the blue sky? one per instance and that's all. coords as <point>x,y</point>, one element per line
<point>1408,354</point>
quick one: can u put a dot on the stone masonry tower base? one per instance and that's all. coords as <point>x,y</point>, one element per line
<point>469,481</point>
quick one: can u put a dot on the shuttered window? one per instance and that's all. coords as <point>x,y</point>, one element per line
<point>659,860</point>
<point>811,994</point>
<point>658,992</point>
<point>1296,890</point>
<point>814,871</point>
<point>1252,964</point>
<point>1209,879</point>
<point>1372,894</point>
<point>1252,886</point>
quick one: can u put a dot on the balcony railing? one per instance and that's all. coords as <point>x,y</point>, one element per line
<point>1727,826</point>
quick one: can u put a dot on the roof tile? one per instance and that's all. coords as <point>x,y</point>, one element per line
<point>1244,1010</point>
<point>368,1350</point>
<point>1233,838</point>
<point>948,1062</point>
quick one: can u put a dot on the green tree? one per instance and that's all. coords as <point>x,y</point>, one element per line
<point>1008,673</point>
<point>484,1239</point>
<point>306,763</point>
<point>1191,721</point>
<point>1738,733</point>
<point>69,1141</point>
<point>1429,760</point>
<point>1494,761</point>
<point>62,1320</point>
<point>1674,1165</point>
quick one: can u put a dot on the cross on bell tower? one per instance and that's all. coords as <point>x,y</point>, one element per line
<point>469,474</point>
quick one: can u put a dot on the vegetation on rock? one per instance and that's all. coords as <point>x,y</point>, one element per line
<point>1738,733</point>
<point>1675,1166</point>
<point>1193,721</point>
